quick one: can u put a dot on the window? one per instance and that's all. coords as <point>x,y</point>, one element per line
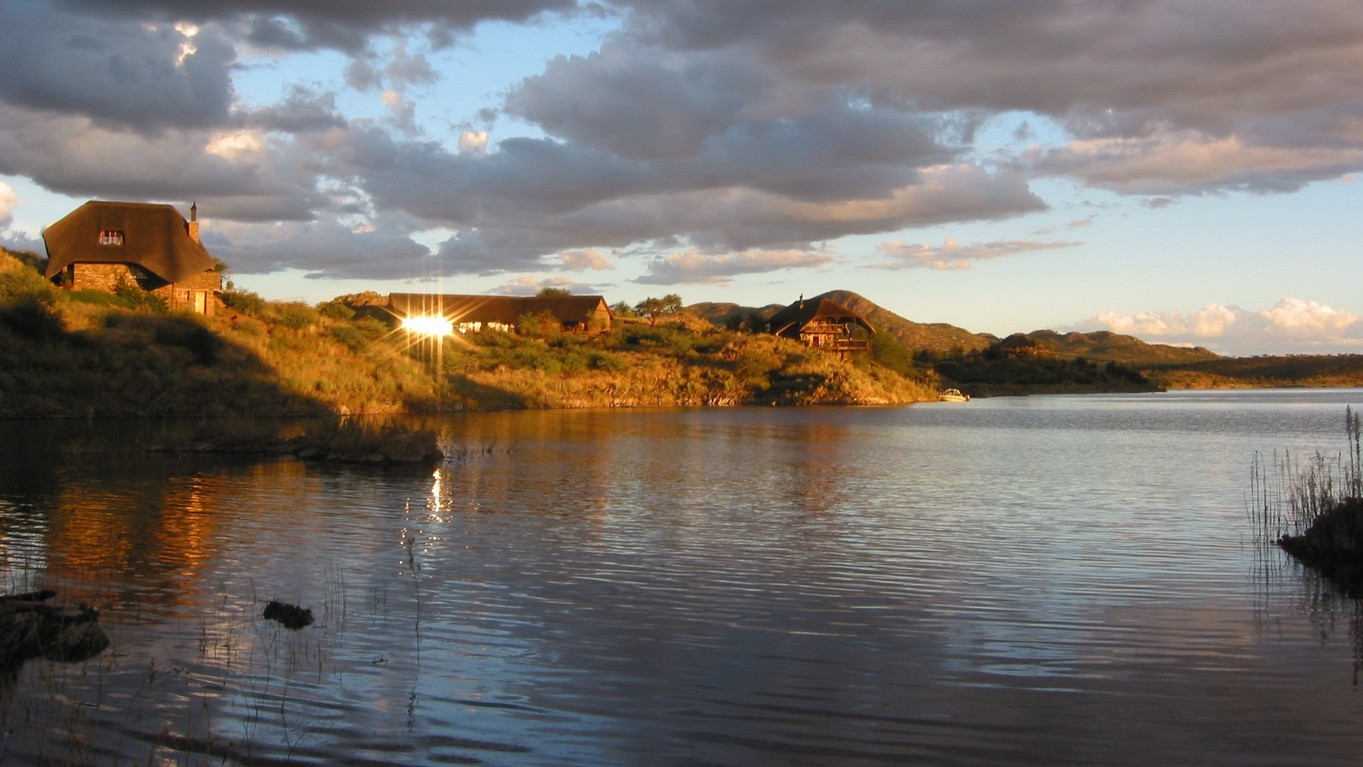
<point>111,237</point>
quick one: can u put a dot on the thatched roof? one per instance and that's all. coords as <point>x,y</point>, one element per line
<point>155,237</point>
<point>506,310</point>
<point>791,319</point>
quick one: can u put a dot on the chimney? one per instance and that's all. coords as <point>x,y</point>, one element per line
<point>194,222</point>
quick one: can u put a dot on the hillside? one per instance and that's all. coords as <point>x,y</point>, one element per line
<point>1308,370</point>
<point>70,354</point>
<point>936,338</point>
<point>933,338</point>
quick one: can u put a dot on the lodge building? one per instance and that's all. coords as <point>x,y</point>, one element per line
<point>102,244</point>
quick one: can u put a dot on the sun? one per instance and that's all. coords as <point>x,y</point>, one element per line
<point>428,325</point>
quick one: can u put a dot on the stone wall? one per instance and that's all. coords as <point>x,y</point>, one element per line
<point>178,295</point>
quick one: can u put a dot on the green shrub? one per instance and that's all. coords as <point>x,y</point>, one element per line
<point>609,362</point>
<point>336,310</point>
<point>26,304</point>
<point>295,315</point>
<point>244,301</point>
<point>359,334</point>
<point>137,298</point>
<point>98,298</point>
<point>19,283</point>
<point>31,317</point>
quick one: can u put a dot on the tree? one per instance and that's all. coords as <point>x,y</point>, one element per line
<point>554,293</point>
<point>653,308</point>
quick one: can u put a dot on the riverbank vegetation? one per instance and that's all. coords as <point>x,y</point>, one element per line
<point>75,354</point>
<point>1313,509</point>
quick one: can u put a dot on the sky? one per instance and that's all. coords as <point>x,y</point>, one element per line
<point>1183,171</point>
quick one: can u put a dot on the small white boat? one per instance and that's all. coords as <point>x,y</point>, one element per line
<point>953,395</point>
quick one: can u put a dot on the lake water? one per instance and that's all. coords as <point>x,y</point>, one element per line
<point>1043,580</point>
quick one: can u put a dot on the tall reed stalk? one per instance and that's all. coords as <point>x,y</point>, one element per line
<point>1288,495</point>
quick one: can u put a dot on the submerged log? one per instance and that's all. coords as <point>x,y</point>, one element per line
<point>31,628</point>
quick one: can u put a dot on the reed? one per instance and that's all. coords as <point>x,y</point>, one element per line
<point>1313,508</point>
<point>1289,494</point>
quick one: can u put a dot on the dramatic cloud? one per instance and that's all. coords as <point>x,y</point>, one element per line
<point>323,249</point>
<point>952,255</point>
<point>340,24</point>
<point>1292,323</point>
<point>690,128</point>
<point>120,73</point>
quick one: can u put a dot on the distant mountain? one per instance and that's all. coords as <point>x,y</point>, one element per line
<point>1104,346</point>
<point>722,314</point>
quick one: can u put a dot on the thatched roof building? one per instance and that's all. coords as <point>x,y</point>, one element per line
<point>821,322</point>
<point>100,244</point>
<point>471,313</point>
<point>154,237</point>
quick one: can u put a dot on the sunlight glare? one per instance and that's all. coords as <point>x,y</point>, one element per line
<point>428,325</point>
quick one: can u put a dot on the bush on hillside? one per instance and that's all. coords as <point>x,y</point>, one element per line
<point>135,297</point>
<point>27,304</point>
<point>244,301</point>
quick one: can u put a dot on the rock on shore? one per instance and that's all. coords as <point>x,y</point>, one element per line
<point>31,628</point>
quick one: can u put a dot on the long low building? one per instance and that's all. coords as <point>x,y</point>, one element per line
<point>470,314</point>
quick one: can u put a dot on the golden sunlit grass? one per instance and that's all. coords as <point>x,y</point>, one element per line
<point>76,354</point>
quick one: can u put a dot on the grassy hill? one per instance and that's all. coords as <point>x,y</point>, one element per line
<point>78,354</point>
<point>1314,370</point>
<point>935,338</point>
<point>81,354</point>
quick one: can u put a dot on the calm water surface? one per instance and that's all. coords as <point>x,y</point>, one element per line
<point>1046,580</point>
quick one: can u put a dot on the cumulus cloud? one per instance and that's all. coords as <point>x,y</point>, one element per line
<point>473,142</point>
<point>953,255</point>
<point>1291,324</point>
<point>585,260</point>
<point>1308,319</point>
<point>8,199</point>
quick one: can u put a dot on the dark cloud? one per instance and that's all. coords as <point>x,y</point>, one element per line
<point>629,103</point>
<point>343,25</point>
<point>113,71</point>
<point>695,127</point>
